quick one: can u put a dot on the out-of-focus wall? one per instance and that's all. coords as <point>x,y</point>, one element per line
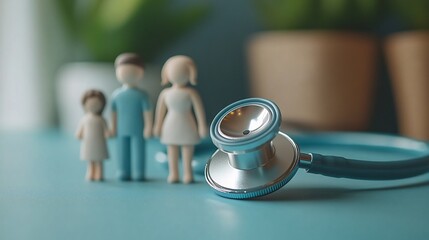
<point>31,49</point>
<point>21,83</point>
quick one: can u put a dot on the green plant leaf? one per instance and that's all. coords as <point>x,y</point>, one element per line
<point>332,13</point>
<point>281,14</point>
<point>318,14</point>
<point>114,14</point>
<point>415,14</point>
<point>107,28</point>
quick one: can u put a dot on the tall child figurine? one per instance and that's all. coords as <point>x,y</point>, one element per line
<point>131,118</point>
<point>175,122</point>
<point>93,131</point>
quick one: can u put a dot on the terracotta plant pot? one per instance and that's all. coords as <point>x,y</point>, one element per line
<point>408,61</point>
<point>320,80</point>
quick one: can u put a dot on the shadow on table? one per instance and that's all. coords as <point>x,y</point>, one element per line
<point>115,182</point>
<point>328,193</point>
<point>306,194</point>
<point>396,187</point>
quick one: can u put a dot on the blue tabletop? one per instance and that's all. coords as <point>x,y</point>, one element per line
<point>43,195</point>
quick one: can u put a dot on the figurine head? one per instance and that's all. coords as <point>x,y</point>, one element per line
<point>93,101</point>
<point>129,69</point>
<point>179,70</point>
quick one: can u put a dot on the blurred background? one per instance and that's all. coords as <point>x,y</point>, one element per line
<point>358,65</point>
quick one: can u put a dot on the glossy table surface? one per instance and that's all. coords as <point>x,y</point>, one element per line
<point>43,195</point>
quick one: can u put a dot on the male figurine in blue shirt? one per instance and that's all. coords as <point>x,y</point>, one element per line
<point>131,118</point>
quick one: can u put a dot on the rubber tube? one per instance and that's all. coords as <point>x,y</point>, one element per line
<point>341,167</point>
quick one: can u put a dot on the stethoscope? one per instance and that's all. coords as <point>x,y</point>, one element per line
<point>254,158</point>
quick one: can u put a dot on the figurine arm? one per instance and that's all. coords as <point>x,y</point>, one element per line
<point>161,110</point>
<point>148,124</point>
<point>114,124</point>
<point>114,117</point>
<point>107,132</point>
<point>79,130</point>
<point>199,113</point>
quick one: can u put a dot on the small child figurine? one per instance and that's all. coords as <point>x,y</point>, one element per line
<point>93,132</point>
<point>178,128</point>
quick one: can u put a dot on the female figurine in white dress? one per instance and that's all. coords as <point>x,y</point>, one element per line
<point>93,132</point>
<point>174,121</point>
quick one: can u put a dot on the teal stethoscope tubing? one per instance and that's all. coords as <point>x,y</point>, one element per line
<point>367,170</point>
<point>341,167</point>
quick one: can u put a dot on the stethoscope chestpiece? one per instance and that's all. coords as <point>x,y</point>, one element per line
<point>248,162</point>
<point>245,124</point>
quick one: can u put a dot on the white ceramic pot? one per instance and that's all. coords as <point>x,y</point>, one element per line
<point>75,78</point>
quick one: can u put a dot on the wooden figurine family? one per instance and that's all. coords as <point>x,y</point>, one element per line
<point>132,122</point>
